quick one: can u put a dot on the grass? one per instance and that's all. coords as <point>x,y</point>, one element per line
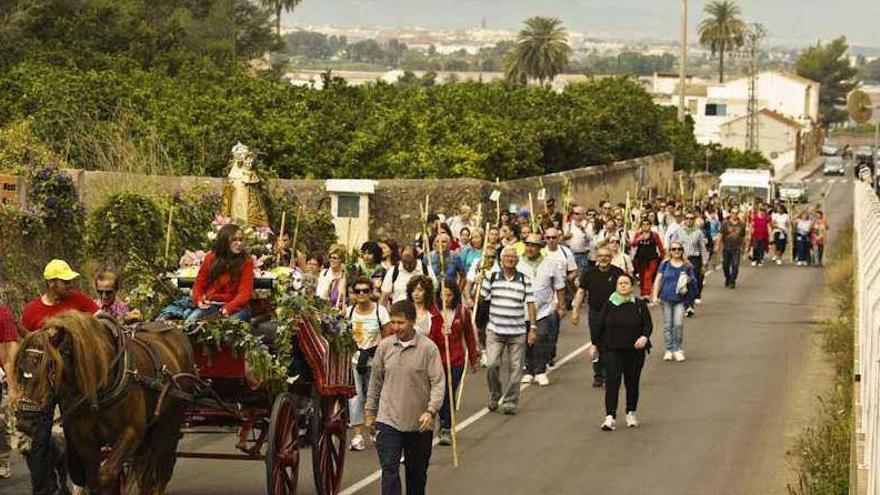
<point>822,452</point>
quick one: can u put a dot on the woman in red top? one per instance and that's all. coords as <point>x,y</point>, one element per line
<point>760,235</point>
<point>457,323</point>
<point>226,279</point>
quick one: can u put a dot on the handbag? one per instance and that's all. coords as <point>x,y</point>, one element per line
<point>681,285</point>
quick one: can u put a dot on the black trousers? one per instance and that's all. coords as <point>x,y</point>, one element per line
<point>599,363</point>
<point>627,363</point>
<point>45,459</point>
<point>416,447</point>
<point>697,262</point>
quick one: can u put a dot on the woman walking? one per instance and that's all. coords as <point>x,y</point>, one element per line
<point>780,223</point>
<point>803,228</point>
<point>331,283</point>
<point>648,252</point>
<point>760,235</point>
<point>420,292</point>
<point>623,333</point>
<point>369,323</point>
<point>820,233</point>
<point>456,323</point>
<point>674,288</point>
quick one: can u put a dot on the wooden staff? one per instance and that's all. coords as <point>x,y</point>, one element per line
<point>473,325</point>
<point>498,202</point>
<point>168,234</point>
<point>280,237</point>
<point>449,388</point>
<point>348,234</point>
<point>532,213</point>
<point>296,232</point>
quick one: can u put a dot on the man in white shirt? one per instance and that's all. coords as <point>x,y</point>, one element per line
<point>394,283</point>
<point>577,235</point>
<point>460,221</point>
<point>561,254</point>
<point>548,285</point>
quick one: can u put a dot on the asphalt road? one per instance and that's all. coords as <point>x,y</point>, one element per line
<point>715,424</point>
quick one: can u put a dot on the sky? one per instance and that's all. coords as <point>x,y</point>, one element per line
<point>790,22</point>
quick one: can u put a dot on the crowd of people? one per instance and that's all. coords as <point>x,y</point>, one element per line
<point>460,296</point>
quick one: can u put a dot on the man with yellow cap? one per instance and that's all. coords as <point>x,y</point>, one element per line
<point>59,297</point>
<point>44,456</point>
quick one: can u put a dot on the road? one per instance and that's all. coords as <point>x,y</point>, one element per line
<point>719,423</point>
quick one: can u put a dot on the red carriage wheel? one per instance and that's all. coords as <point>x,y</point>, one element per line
<point>329,428</point>
<point>282,454</point>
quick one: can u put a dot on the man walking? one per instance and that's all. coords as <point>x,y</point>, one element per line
<point>562,255</point>
<point>694,241</point>
<point>44,454</point>
<point>394,283</point>
<point>578,237</point>
<point>597,283</point>
<point>548,284</point>
<point>406,391</point>
<point>511,305</point>
<point>730,242</point>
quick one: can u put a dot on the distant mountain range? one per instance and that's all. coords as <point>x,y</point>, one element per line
<point>790,22</point>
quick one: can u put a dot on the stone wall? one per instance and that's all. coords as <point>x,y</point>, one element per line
<point>394,208</point>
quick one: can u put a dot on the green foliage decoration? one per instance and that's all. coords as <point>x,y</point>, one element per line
<point>126,223</point>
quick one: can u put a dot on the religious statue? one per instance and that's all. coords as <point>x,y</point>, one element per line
<point>242,198</point>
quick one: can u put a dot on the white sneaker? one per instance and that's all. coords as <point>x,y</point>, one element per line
<point>698,301</point>
<point>779,261</point>
<point>754,263</point>
<point>667,356</point>
<point>527,379</point>
<point>679,356</point>
<point>357,443</point>
<point>483,359</point>
<point>542,379</point>
<point>631,421</point>
<point>609,424</point>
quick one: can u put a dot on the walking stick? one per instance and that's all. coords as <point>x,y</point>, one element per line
<point>295,233</point>
<point>460,393</point>
<point>168,234</point>
<point>449,388</point>
<point>280,236</point>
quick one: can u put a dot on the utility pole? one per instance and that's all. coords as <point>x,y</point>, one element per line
<point>684,43</point>
<point>754,37</point>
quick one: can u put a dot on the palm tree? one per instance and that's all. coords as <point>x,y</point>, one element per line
<point>278,6</point>
<point>723,30</point>
<point>541,51</point>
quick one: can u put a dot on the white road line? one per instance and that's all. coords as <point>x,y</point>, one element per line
<point>377,475</point>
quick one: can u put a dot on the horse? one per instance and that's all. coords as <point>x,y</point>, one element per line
<point>124,390</point>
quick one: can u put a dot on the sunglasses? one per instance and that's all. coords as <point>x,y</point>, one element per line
<point>688,218</point>
<point>361,291</point>
<point>676,249</point>
<point>106,293</point>
<point>550,237</point>
<point>577,212</point>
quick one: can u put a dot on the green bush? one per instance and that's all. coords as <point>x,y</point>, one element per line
<point>128,225</point>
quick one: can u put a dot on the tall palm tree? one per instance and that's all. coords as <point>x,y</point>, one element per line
<point>723,30</point>
<point>541,51</point>
<point>280,6</point>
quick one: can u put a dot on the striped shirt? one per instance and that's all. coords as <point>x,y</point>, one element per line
<point>507,302</point>
<point>693,241</point>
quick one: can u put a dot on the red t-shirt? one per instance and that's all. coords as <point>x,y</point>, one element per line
<point>36,312</point>
<point>8,330</point>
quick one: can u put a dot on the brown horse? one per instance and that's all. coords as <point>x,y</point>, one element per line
<point>108,388</point>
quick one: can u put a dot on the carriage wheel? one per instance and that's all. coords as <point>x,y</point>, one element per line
<point>282,454</point>
<point>329,427</point>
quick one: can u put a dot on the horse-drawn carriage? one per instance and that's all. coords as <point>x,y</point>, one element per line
<point>310,409</point>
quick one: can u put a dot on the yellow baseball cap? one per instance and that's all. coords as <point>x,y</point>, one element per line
<point>59,269</point>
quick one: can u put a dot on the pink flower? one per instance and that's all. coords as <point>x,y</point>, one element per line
<point>220,221</point>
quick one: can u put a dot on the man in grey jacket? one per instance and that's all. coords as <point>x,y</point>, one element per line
<point>405,393</point>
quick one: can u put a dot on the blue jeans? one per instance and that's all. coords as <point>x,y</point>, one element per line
<point>673,324</point>
<point>582,261</point>
<point>731,265</point>
<point>416,446</point>
<point>445,413</point>
<point>213,309</point>
<point>356,403</point>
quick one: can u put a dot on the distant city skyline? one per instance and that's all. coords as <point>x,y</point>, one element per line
<point>790,22</point>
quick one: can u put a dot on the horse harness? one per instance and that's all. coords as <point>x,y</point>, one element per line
<point>125,373</point>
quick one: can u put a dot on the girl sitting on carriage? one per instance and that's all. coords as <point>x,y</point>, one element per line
<point>225,281</point>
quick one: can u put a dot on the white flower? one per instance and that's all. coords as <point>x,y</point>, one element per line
<point>212,236</point>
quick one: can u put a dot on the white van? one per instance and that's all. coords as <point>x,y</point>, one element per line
<point>747,182</point>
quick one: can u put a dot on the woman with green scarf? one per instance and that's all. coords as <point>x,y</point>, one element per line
<point>623,335</point>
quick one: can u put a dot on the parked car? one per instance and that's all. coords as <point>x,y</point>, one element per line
<point>830,148</point>
<point>794,191</point>
<point>833,165</point>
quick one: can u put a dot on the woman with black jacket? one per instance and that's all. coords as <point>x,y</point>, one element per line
<point>623,334</point>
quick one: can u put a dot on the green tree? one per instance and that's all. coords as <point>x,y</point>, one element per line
<point>722,31</point>
<point>541,51</point>
<point>829,65</point>
<point>279,6</point>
